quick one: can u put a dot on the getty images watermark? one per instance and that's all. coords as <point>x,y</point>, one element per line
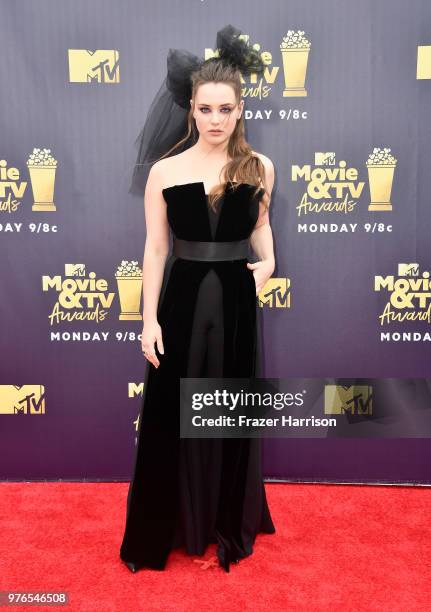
<point>304,407</point>
<point>251,408</point>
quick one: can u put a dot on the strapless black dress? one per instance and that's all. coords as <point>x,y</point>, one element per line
<point>190,492</point>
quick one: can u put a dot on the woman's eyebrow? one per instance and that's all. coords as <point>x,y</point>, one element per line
<point>224,104</point>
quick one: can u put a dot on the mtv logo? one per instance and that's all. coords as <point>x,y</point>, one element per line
<point>275,293</point>
<point>98,66</point>
<point>355,399</point>
<point>74,269</point>
<point>22,399</point>
<point>423,66</point>
<point>324,159</point>
<point>135,389</point>
<point>411,269</point>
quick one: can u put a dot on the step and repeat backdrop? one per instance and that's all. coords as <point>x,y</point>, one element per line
<point>343,111</point>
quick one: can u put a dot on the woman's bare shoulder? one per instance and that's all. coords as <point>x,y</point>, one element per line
<point>169,169</point>
<point>269,167</point>
<point>265,160</point>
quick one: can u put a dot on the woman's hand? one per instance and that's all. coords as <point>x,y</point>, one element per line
<point>151,333</point>
<point>262,271</point>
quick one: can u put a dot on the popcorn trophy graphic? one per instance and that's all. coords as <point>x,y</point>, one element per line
<point>129,282</point>
<point>381,166</point>
<point>42,167</point>
<point>295,49</point>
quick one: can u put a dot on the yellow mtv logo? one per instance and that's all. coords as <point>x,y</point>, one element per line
<point>100,66</point>
<point>356,399</point>
<point>135,389</point>
<point>324,158</point>
<point>25,399</point>
<point>411,269</point>
<point>74,269</point>
<point>275,293</point>
<point>423,67</point>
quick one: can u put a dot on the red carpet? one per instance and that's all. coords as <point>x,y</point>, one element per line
<point>337,547</point>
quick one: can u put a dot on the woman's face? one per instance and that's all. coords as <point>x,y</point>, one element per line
<point>216,111</point>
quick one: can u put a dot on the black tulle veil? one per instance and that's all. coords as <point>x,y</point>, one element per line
<point>167,118</point>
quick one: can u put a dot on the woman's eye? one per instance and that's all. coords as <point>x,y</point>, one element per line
<point>204,108</point>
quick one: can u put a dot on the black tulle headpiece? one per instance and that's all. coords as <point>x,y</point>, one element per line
<point>166,121</point>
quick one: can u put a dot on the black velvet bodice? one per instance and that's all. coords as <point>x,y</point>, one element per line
<point>191,218</point>
<point>214,216</point>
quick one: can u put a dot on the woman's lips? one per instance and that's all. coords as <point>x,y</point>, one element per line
<point>215,131</point>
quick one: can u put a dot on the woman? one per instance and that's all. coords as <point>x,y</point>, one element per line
<point>200,313</point>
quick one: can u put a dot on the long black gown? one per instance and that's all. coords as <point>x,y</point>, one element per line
<point>188,491</point>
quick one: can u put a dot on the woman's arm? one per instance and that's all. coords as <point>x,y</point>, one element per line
<point>261,238</point>
<point>155,254</point>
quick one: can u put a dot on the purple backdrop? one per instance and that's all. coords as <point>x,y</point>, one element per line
<point>346,83</point>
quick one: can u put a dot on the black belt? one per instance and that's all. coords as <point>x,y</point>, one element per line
<point>210,251</point>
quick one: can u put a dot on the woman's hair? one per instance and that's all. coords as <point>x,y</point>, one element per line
<point>244,165</point>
